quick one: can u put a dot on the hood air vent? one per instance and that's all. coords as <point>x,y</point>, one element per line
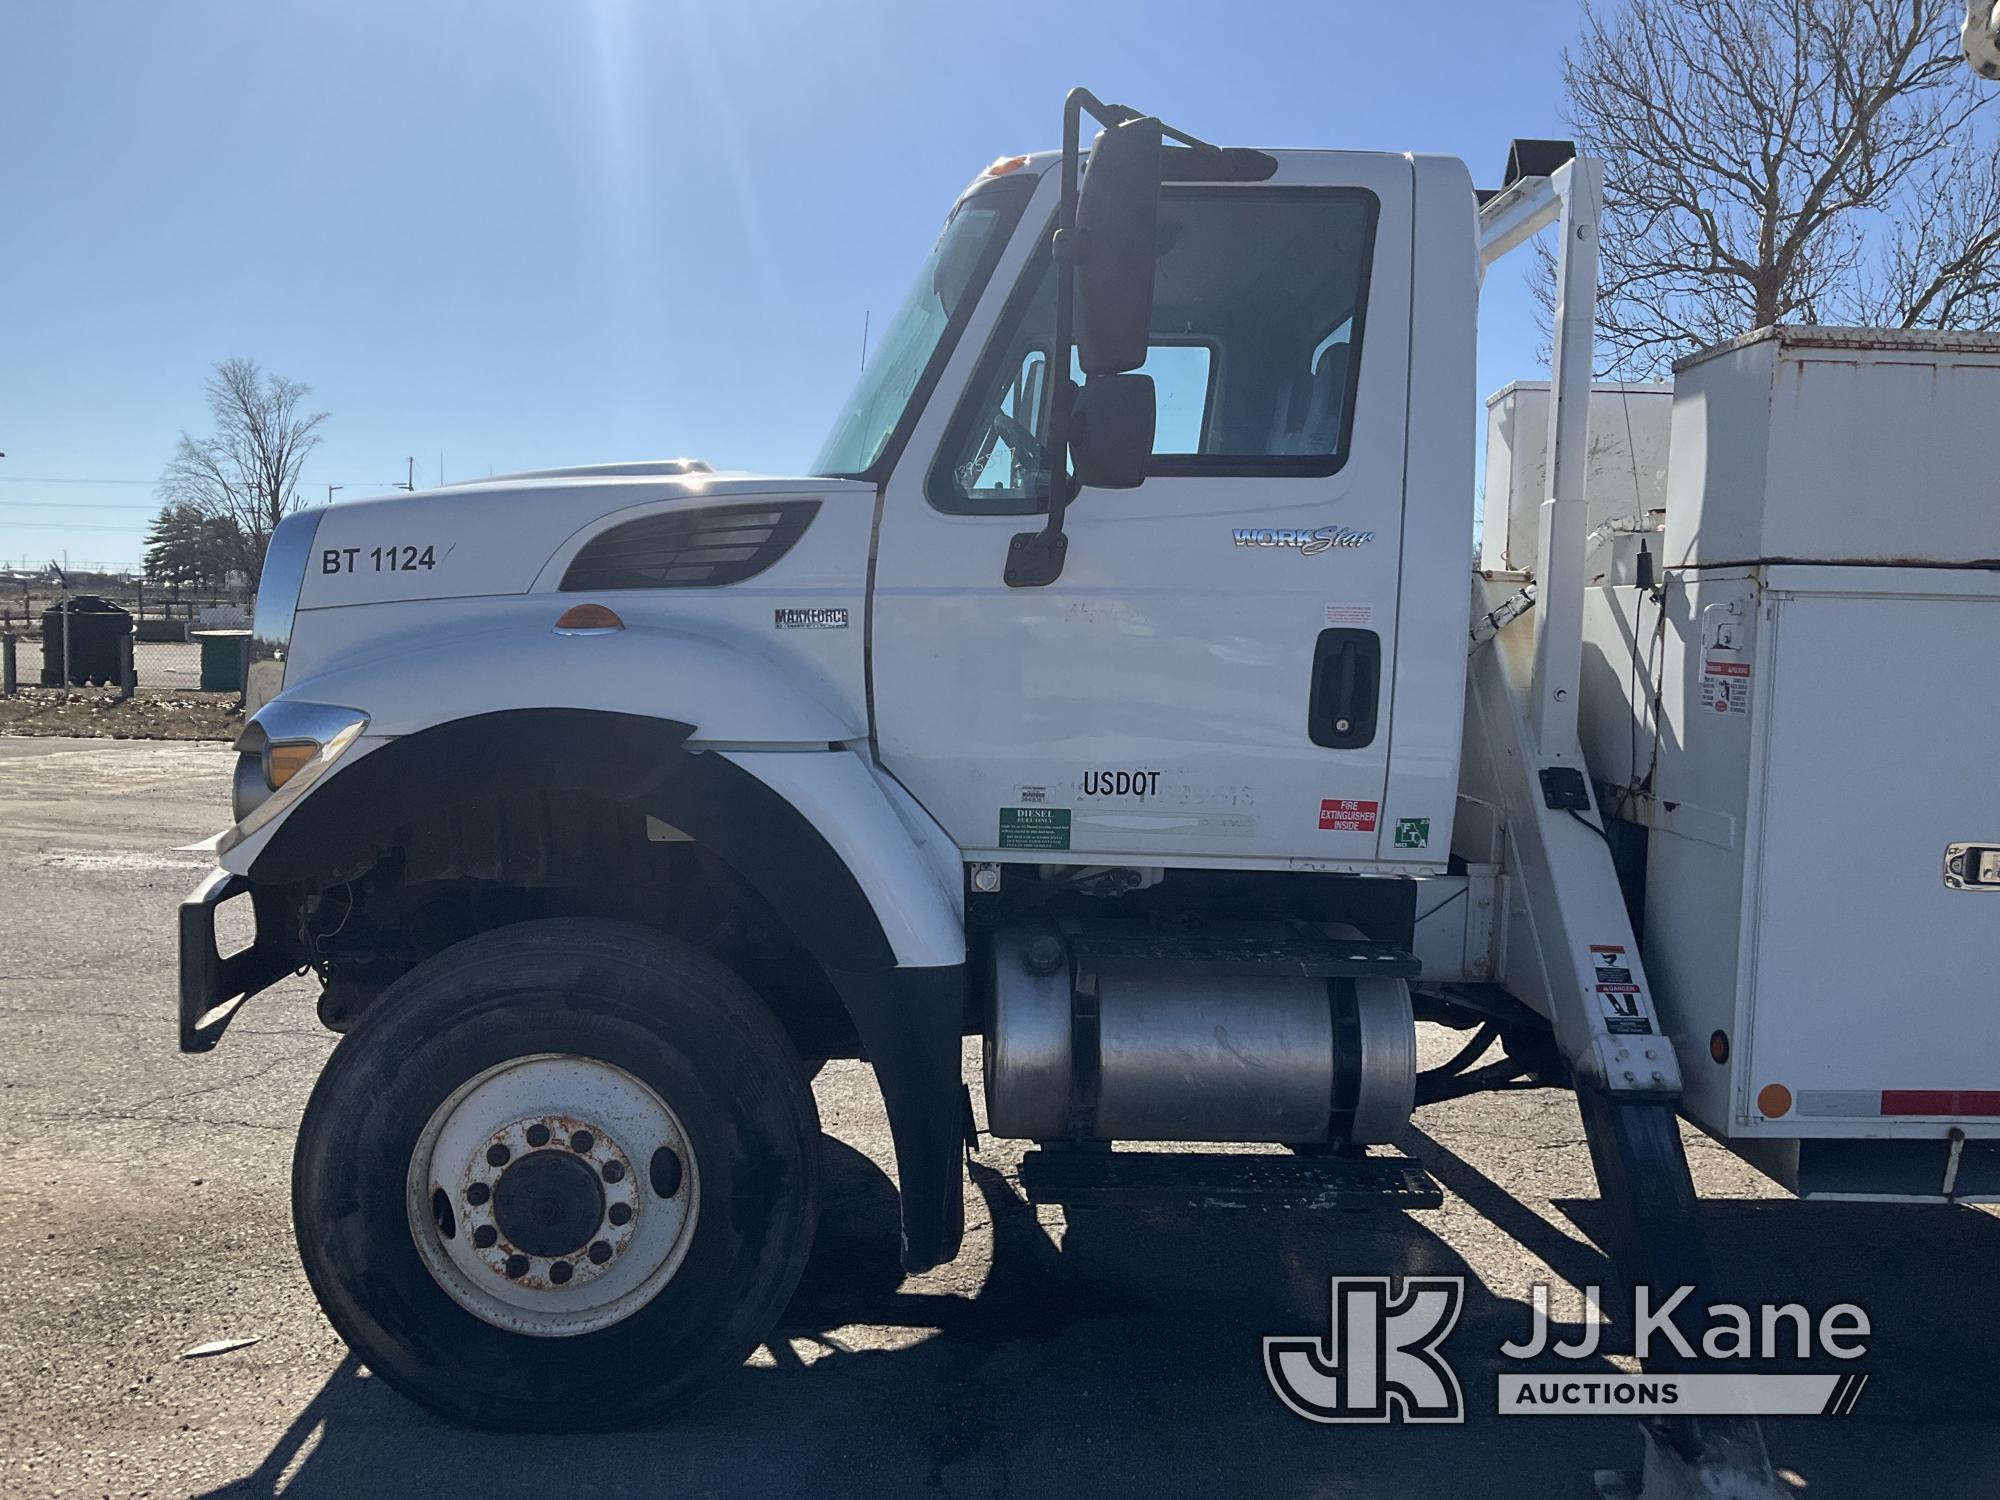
<point>690,549</point>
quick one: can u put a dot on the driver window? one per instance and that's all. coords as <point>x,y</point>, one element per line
<point>1258,305</point>
<point>1007,457</point>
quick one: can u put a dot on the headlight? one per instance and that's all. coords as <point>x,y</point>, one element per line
<point>284,749</point>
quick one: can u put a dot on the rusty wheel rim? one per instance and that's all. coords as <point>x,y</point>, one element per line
<point>553,1195</point>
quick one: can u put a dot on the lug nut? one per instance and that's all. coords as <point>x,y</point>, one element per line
<point>485,1236</point>
<point>517,1267</point>
<point>614,1171</point>
<point>538,1135</point>
<point>600,1252</point>
<point>582,1142</point>
<point>478,1193</point>
<point>560,1273</point>
<point>620,1214</point>
<point>497,1155</point>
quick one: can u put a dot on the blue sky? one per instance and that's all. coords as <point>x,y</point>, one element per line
<point>520,232</point>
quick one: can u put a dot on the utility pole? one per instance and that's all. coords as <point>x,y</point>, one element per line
<point>330,489</point>
<point>410,483</point>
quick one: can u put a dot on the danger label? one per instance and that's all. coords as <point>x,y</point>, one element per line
<point>1725,687</point>
<point>1341,815</point>
<point>1618,997</point>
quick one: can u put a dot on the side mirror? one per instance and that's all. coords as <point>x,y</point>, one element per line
<point>1117,220</point>
<point>1111,431</point>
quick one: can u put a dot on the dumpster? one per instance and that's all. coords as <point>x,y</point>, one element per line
<point>95,628</point>
<point>221,659</point>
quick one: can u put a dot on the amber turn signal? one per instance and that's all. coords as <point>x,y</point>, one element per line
<point>283,762</point>
<point>589,617</point>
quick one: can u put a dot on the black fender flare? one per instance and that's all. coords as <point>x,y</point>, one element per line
<point>910,1021</point>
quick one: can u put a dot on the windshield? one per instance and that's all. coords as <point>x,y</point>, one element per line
<point>920,335</point>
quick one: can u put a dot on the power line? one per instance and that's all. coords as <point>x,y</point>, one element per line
<point>47,479</point>
<point>127,529</point>
<point>74,504</point>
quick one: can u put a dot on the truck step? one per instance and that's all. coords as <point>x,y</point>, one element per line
<point>1277,955</point>
<point>1159,1180</point>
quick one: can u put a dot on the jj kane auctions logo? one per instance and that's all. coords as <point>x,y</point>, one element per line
<point>1381,1358</point>
<point>1306,543</point>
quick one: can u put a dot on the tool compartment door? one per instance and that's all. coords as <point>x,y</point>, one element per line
<point>1875,986</point>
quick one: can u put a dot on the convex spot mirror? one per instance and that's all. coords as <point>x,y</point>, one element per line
<point>1117,219</point>
<point>1111,431</point>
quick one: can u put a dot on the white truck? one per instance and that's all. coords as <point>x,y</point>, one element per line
<point>1117,686</point>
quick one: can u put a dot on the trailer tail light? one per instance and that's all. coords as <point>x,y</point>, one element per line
<point>588,619</point>
<point>1774,1101</point>
<point>1941,1101</point>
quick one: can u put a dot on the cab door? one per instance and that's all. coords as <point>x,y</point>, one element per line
<point>1208,681</point>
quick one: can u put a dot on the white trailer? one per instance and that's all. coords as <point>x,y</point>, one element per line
<point>1143,722</point>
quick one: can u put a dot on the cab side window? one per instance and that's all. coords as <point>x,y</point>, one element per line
<point>1259,301</point>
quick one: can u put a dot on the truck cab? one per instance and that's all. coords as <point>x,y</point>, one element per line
<point>1100,691</point>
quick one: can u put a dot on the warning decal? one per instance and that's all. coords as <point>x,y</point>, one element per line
<point>1340,815</point>
<point>1618,997</point>
<point>1725,686</point>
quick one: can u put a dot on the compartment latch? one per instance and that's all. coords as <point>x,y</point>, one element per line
<point>1972,867</point>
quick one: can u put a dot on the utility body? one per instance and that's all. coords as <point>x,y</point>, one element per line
<point>1115,688</point>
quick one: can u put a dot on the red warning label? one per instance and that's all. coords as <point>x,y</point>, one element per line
<point>1342,815</point>
<point>1725,686</point>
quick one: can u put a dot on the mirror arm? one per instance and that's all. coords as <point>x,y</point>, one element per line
<point>1035,558</point>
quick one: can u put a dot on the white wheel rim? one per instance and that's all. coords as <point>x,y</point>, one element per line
<point>495,1195</point>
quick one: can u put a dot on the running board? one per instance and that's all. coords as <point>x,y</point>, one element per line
<point>1162,1180</point>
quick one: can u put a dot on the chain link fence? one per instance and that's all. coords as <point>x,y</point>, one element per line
<point>161,666</point>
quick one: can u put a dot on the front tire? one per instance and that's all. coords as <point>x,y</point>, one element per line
<point>563,1176</point>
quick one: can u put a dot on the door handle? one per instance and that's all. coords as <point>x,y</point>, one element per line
<point>1346,689</point>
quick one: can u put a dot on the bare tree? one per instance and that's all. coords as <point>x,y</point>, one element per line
<point>1772,161</point>
<point>247,471</point>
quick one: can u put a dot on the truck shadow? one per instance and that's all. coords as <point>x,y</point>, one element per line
<point>1121,1354</point>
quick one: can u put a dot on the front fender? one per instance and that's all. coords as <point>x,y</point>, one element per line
<point>509,659</point>
<point>864,878</point>
<point>862,874</point>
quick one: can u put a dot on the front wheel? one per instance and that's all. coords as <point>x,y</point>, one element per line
<point>562,1176</point>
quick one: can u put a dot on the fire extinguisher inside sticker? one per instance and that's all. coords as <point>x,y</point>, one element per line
<point>1344,815</point>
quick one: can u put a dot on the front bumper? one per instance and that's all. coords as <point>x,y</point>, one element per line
<point>214,987</point>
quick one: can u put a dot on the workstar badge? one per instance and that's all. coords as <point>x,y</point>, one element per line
<point>1305,543</point>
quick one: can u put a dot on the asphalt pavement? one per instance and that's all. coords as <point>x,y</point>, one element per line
<point>144,1211</point>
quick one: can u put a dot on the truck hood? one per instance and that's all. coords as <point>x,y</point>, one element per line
<point>495,536</point>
